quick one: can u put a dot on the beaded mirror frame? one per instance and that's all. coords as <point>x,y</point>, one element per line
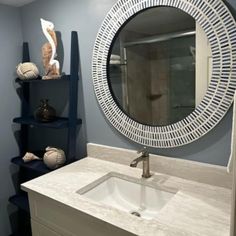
<point>220,29</point>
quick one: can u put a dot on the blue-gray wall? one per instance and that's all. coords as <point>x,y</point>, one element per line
<point>10,51</point>
<point>86,16</point>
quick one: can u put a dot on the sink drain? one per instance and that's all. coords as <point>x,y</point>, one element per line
<point>135,213</point>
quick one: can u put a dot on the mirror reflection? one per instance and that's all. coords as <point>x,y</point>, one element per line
<point>159,66</point>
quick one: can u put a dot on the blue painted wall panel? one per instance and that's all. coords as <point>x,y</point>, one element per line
<point>86,16</point>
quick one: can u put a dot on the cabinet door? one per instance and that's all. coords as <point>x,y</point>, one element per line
<point>41,230</point>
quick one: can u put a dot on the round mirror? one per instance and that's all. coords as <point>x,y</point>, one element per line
<point>116,52</point>
<point>159,66</point>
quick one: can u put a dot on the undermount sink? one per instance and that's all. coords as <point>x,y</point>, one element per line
<point>128,194</point>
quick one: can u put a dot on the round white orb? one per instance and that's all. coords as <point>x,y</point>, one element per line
<point>27,70</point>
<point>54,158</point>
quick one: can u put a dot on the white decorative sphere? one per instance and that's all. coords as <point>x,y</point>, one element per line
<point>27,70</point>
<point>54,158</point>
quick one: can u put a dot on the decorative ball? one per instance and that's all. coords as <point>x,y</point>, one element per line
<point>27,70</point>
<point>54,158</point>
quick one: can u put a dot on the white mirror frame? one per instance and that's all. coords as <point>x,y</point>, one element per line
<point>220,28</point>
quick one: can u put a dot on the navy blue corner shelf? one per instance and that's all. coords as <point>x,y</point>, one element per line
<point>36,168</point>
<point>16,234</point>
<point>58,123</point>
<point>39,80</point>
<point>36,165</point>
<point>21,201</point>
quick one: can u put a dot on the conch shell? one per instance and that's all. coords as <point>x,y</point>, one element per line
<point>30,157</point>
<point>54,158</point>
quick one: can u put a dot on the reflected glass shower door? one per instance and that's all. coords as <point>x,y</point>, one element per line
<point>182,77</point>
<point>154,83</point>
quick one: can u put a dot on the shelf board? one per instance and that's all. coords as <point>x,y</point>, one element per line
<point>59,123</point>
<point>39,80</point>
<point>21,201</point>
<point>27,233</point>
<point>36,165</point>
<point>21,234</point>
<point>17,234</point>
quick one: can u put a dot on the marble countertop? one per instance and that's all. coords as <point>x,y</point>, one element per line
<point>196,209</point>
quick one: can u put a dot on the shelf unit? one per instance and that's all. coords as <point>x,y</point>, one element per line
<point>28,171</point>
<point>21,201</point>
<point>58,123</point>
<point>64,77</point>
<point>37,166</point>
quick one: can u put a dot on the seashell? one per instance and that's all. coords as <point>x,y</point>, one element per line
<point>30,157</point>
<point>54,157</point>
<point>27,70</point>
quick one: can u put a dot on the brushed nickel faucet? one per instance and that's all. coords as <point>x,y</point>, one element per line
<point>145,159</point>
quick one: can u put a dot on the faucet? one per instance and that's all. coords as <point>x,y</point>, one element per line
<point>145,159</point>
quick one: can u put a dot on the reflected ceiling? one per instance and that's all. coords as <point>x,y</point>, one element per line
<point>16,3</point>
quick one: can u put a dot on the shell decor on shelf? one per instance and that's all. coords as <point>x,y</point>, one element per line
<point>51,65</point>
<point>28,157</point>
<point>27,70</point>
<point>54,158</point>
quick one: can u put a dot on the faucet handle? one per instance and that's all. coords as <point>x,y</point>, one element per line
<point>144,152</point>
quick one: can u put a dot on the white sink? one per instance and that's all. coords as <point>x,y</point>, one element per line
<point>134,196</point>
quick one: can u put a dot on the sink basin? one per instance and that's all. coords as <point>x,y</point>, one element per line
<point>134,196</point>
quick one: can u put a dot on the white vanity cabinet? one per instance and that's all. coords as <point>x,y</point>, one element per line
<point>52,218</point>
<point>41,230</point>
<point>57,206</point>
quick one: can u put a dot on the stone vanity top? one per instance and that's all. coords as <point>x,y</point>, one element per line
<point>196,209</point>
